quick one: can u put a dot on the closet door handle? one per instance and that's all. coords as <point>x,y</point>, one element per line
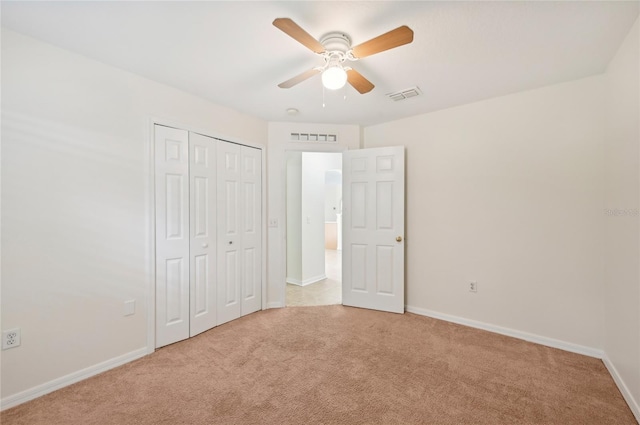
<point>230,242</point>
<point>205,245</point>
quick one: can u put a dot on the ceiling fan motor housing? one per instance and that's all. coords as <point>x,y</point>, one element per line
<point>336,41</point>
<point>337,48</point>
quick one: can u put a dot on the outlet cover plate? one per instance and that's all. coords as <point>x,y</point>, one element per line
<point>129,307</point>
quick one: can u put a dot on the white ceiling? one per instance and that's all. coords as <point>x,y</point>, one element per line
<point>231,54</point>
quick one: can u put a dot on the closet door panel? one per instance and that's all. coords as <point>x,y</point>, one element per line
<point>172,234</point>
<point>251,178</point>
<point>229,245</point>
<point>208,202</point>
<point>202,212</point>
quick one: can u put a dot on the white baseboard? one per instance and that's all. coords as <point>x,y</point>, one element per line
<point>308,281</point>
<point>549,342</point>
<point>275,304</point>
<point>72,378</point>
<point>633,404</point>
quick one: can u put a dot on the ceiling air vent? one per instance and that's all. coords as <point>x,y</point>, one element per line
<point>404,94</point>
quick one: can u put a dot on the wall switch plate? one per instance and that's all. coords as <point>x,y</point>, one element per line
<point>473,286</point>
<point>129,307</point>
<point>10,338</point>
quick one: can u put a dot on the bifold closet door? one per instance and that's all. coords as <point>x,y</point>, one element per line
<point>185,180</point>
<point>208,231</point>
<point>202,224</point>
<point>172,234</point>
<point>251,186</point>
<point>239,231</point>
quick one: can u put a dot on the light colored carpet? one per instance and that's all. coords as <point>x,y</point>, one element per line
<point>324,292</point>
<point>340,365</point>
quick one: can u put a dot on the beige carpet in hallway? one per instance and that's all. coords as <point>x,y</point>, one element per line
<point>340,365</point>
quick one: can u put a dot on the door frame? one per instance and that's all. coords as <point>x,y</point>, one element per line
<point>293,147</point>
<point>150,213</point>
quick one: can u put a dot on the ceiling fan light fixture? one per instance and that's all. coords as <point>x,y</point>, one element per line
<point>334,77</point>
<point>335,48</point>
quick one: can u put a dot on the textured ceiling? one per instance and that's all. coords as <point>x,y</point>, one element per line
<point>229,52</point>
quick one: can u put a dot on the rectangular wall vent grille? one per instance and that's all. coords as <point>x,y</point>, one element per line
<point>314,137</point>
<point>404,94</point>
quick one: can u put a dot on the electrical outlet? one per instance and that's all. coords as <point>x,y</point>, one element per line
<point>473,286</point>
<point>10,338</point>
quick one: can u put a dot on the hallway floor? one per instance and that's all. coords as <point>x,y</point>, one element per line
<point>324,292</point>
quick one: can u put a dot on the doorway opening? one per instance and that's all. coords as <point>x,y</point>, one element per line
<point>314,228</point>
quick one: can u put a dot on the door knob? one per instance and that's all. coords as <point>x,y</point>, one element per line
<point>230,242</point>
<point>399,239</point>
<point>205,245</point>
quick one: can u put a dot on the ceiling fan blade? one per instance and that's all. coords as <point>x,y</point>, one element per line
<point>294,31</point>
<point>299,78</point>
<point>394,38</point>
<point>359,82</point>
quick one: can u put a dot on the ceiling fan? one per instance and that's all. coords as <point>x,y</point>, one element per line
<point>335,48</point>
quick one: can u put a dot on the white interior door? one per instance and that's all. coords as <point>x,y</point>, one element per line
<point>229,234</point>
<point>251,238</point>
<point>202,212</point>
<point>172,234</point>
<point>373,229</point>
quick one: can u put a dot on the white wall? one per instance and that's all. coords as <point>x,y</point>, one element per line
<point>294,217</point>
<point>279,142</point>
<point>314,169</point>
<point>312,229</point>
<point>306,214</point>
<point>622,253</point>
<point>333,194</point>
<point>75,206</point>
<point>508,192</point>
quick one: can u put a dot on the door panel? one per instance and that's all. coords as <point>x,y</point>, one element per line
<point>201,273</point>
<point>174,206</point>
<point>172,235</point>
<point>251,178</point>
<point>231,277</point>
<point>373,217</point>
<point>203,233</point>
<point>229,240</point>
<point>359,205</point>
<point>174,290</point>
<point>384,269</point>
<point>359,267</point>
<point>249,290</point>
<point>384,205</point>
